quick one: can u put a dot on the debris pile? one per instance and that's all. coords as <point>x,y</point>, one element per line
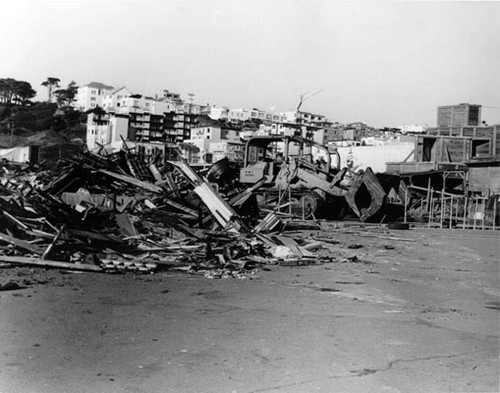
<point>116,213</point>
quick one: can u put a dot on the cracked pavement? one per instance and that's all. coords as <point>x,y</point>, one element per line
<point>415,316</point>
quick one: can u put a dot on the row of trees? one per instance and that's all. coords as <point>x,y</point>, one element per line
<point>63,97</point>
<point>15,92</point>
<point>20,115</point>
<point>20,93</point>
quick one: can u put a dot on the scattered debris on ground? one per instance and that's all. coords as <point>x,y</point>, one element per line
<point>116,214</point>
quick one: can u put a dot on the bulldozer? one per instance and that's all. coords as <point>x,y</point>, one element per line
<point>307,176</point>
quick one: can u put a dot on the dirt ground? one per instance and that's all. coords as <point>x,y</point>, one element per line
<point>419,314</point>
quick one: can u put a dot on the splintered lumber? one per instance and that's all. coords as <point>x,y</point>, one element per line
<point>268,223</point>
<point>18,223</point>
<point>125,224</point>
<point>243,196</point>
<point>190,212</point>
<point>132,180</point>
<point>224,214</point>
<point>21,244</point>
<point>51,246</point>
<point>46,263</point>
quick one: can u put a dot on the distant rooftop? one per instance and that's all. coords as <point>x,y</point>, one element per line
<point>98,85</point>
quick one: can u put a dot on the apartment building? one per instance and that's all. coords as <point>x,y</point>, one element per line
<point>306,118</point>
<point>113,100</point>
<point>148,119</point>
<point>91,95</point>
<point>106,130</point>
<point>214,142</point>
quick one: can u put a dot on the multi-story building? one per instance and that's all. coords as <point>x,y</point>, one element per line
<point>306,118</point>
<point>461,115</point>
<point>256,115</point>
<point>91,95</point>
<point>113,100</point>
<point>217,113</point>
<point>106,130</point>
<point>148,119</point>
<point>214,141</point>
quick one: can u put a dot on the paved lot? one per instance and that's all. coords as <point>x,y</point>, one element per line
<point>405,316</point>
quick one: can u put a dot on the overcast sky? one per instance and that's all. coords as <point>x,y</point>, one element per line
<point>384,63</point>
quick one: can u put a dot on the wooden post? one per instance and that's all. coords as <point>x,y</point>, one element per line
<point>406,202</point>
<point>442,210</point>
<point>466,198</point>
<point>483,210</point>
<point>451,210</point>
<point>475,212</point>
<point>427,199</point>
<point>495,211</point>
<point>431,210</point>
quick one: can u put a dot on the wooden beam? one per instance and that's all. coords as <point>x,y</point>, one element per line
<point>21,244</point>
<point>51,246</point>
<point>132,180</point>
<point>46,263</point>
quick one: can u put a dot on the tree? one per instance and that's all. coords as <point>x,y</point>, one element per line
<point>65,97</point>
<point>15,92</point>
<point>50,84</point>
<point>7,87</point>
<point>23,92</point>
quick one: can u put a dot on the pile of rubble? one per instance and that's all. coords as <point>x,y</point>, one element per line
<point>116,213</point>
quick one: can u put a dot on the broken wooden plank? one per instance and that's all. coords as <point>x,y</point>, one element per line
<point>268,223</point>
<point>47,263</point>
<point>224,214</point>
<point>125,225</point>
<point>245,194</point>
<point>13,219</point>
<point>51,246</point>
<point>21,244</point>
<point>190,212</point>
<point>132,180</point>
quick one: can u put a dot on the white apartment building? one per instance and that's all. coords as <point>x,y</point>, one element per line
<point>113,100</point>
<point>217,113</point>
<point>233,151</point>
<point>106,130</point>
<point>243,114</point>
<point>215,143</point>
<point>91,95</point>
<point>215,133</point>
<point>305,118</point>
<point>137,103</point>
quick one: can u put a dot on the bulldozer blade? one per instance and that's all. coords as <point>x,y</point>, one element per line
<point>365,195</point>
